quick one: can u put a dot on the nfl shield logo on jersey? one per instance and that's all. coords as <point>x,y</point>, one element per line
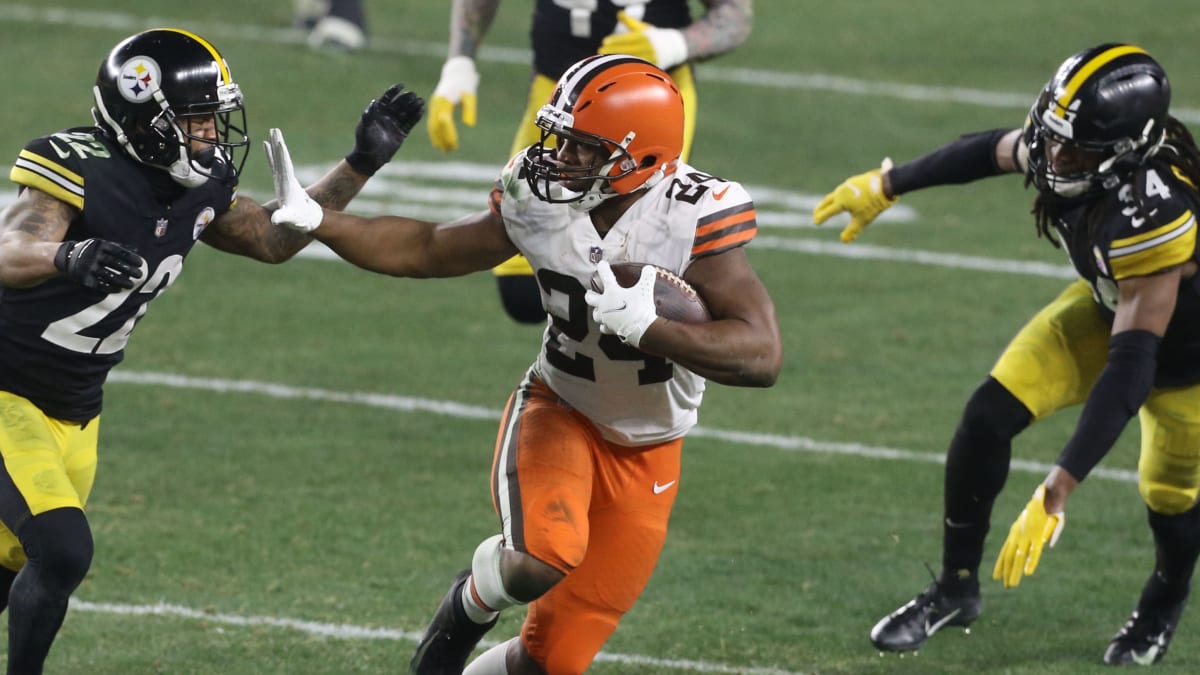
<point>160,227</point>
<point>595,254</point>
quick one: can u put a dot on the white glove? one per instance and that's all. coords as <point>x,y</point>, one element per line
<point>456,86</point>
<point>296,209</point>
<point>624,312</point>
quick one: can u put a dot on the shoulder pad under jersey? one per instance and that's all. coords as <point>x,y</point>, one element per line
<point>725,213</point>
<point>1158,235</point>
<point>511,182</point>
<point>54,164</point>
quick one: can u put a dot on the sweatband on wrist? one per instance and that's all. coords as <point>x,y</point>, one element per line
<point>1121,389</point>
<point>966,159</point>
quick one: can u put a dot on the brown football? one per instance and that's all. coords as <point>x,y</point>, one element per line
<point>674,298</point>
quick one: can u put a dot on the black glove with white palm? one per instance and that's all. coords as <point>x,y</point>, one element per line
<point>383,127</point>
<point>296,209</point>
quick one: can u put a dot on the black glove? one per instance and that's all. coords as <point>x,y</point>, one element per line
<point>383,127</point>
<point>98,263</point>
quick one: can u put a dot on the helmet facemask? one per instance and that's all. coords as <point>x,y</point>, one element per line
<point>1101,117</point>
<point>628,112</point>
<point>584,187</point>
<point>1069,168</point>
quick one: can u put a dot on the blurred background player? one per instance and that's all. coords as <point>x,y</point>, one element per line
<point>563,32</point>
<point>333,24</point>
<point>587,458</point>
<point>1116,178</point>
<point>105,217</point>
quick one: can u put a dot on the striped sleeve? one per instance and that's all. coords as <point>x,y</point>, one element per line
<point>37,171</point>
<point>726,229</point>
<point>1146,253</point>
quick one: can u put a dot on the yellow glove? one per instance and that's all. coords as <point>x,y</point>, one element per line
<point>1022,549</point>
<point>664,47</point>
<point>457,85</point>
<point>861,196</point>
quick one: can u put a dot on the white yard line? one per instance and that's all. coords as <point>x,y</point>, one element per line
<point>465,411</point>
<point>343,631</point>
<point>456,409</point>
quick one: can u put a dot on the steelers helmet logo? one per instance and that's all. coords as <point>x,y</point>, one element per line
<point>206,216</point>
<point>140,77</point>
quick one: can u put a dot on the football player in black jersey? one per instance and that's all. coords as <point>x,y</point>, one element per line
<point>1116,179</point>
<point>563,32</point>
<point>105,217</point>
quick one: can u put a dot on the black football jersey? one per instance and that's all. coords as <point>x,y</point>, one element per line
<point>59,339</point>
<point>1126,241</point>
<point>565,31</point>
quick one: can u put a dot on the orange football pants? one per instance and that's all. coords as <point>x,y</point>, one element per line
<point>595,510</point>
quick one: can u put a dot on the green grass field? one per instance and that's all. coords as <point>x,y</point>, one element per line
<point>294,460</point>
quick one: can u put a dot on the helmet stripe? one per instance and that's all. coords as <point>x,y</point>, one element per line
<point>225,77</point>
<point>1087,69</point>
<point>574,81</point>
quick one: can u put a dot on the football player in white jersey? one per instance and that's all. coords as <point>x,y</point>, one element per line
<point>561,33</point>
<point>587,461</point>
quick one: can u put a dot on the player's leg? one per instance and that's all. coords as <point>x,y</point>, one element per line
<point>632,498</point>
<point>48,471</point>
<point>1050,364</point>
<point>1169,482</point>
<point>541,487</point>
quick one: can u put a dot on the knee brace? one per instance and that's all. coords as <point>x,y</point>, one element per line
<point>485,572</point>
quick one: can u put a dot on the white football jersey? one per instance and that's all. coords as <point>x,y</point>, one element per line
<point>633,398</point>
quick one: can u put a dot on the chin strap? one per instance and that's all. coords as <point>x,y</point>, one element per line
<point>183,172</point>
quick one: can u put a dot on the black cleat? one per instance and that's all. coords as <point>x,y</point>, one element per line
<point>907,628</point>
<point>450,637</point>
<point>1144,638</point>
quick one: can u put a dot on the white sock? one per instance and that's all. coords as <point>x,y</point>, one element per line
<point>480,615</point>
<point>491,662</point>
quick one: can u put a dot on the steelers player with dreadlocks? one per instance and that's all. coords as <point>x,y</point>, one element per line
<point>1116,178</point>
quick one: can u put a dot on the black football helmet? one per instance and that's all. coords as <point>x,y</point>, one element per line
<point>147,88</point>
<point>1102,115</point>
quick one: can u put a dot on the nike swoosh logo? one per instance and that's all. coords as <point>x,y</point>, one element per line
<point>659,489</point>
<point>720,195</point>
<point>931,628</point>
<point>1146,659</point>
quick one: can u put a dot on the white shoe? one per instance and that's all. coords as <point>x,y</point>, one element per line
<point>309,12</point>
<point>334,32</point>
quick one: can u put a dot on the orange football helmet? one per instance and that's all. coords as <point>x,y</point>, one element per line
<point>627,107</point>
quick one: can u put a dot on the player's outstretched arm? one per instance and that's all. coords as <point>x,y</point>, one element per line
<point>392,245</point>
<point>382,128</point>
